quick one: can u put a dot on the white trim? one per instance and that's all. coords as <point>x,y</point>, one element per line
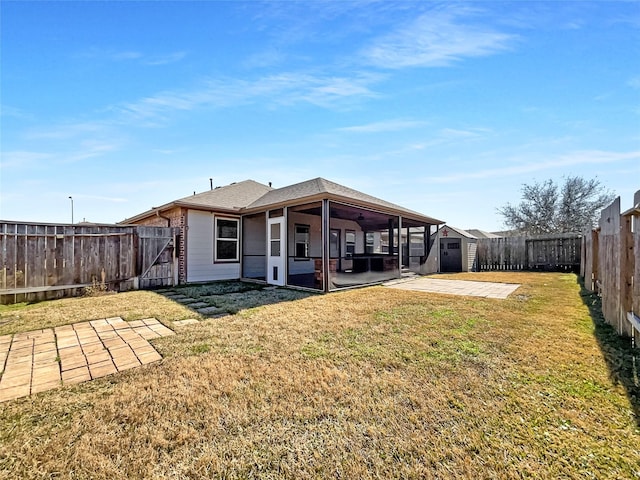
<point>276,265</point>
<point>225,239</point>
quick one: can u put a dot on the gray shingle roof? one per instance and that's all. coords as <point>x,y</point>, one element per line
<point>324,187</point>
<point>251,195</point>
<point>230,197</point>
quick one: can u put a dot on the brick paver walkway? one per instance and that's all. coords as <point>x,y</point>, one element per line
<point>457,287</point>
<point>32,362</point>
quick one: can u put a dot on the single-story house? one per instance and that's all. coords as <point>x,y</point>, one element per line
<point>457,249</point>
<point>315,234</point>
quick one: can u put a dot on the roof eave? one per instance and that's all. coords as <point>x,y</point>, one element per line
<point>149,213</point>
<point>329,196</point>
<point>168,206</point>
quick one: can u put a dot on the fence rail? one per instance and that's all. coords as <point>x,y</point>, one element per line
<point>42,261</point>
<point>611,265</point>
<point>560,252</point>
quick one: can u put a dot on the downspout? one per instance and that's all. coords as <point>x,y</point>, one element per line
<point>163,217</point>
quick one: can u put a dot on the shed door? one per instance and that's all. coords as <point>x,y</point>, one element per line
<point>450,255</point>
<point>276,251</point>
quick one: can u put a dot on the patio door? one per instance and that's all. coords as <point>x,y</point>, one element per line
<point>276,251</point>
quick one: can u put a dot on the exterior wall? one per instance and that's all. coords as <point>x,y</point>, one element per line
<point>343,225</point>
<point>177,219</point>
<point>432,265</point>
<point>297,267</point>
<point>200,245</point>
<point>254,246</point>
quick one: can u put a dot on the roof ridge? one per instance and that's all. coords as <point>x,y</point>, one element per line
<point>232,184</point>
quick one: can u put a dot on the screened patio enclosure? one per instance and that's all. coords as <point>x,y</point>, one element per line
<point>332,245</point>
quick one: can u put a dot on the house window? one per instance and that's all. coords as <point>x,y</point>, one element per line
<point>334,243</point>
<point>350,242</point>
<point>226,240</point>
<point>369,242</point>
<point>302,241</point>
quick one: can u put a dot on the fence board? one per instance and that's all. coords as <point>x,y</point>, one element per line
<point>39,261</point>
<point>554,252</point>
<point>589,263</point>
<point>635,303</point>
<point>609,265</point>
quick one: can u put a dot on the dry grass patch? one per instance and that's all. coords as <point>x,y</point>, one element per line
<point>128,305</point>
<point>370,383</point>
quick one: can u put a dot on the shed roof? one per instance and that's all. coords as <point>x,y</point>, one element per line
<point>459,231</point>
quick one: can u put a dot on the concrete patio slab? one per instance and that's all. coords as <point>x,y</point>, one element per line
<point>32,362</point>
<point>457,287</point>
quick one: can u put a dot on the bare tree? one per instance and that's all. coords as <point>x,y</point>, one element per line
<point>549,208</point>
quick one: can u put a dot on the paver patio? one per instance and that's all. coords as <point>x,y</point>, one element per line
<point>457,287</point>
<point>32,362</point>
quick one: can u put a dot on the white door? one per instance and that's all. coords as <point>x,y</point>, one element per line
<point>276,251</point>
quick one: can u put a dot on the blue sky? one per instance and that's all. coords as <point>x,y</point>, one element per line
<point>446,108</point>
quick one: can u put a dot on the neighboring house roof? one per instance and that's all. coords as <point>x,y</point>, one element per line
<point>482,234</point>
<point>252,196</point>
<point>459,231</point>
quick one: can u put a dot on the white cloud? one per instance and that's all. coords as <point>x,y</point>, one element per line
<point>384,126</point>
<point>435,39</point>
<point>165,59</point>
<point>99,197</point>
<point>588,157</point>
<point>90,149</point>
<point>66,131</point>
<point>18,113</point>
<point>634,82</point>
<point>119,56</point>
<point>133,55</point>
<point>22,158</point>
<point>452,133</point>
<point>282,89</point>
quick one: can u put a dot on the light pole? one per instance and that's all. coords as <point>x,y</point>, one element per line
<point>71,198</point>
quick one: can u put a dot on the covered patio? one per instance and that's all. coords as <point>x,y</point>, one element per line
<point>333,244</point>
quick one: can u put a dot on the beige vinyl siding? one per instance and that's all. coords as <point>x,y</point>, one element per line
<point>472,247</point>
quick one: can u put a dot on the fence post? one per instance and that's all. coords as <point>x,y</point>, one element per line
<point>627,266</point>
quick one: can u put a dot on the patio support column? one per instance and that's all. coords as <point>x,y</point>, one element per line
<point>400,246</point>
<point>425,239</point>
<point>325,244</point>
<point>285,240</point>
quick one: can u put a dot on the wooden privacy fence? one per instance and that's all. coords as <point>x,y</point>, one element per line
<point>558,252</point>
<point>43,261</point>
<point>611,265</point>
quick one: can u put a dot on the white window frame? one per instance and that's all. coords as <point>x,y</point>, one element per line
<point>216,239</point>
